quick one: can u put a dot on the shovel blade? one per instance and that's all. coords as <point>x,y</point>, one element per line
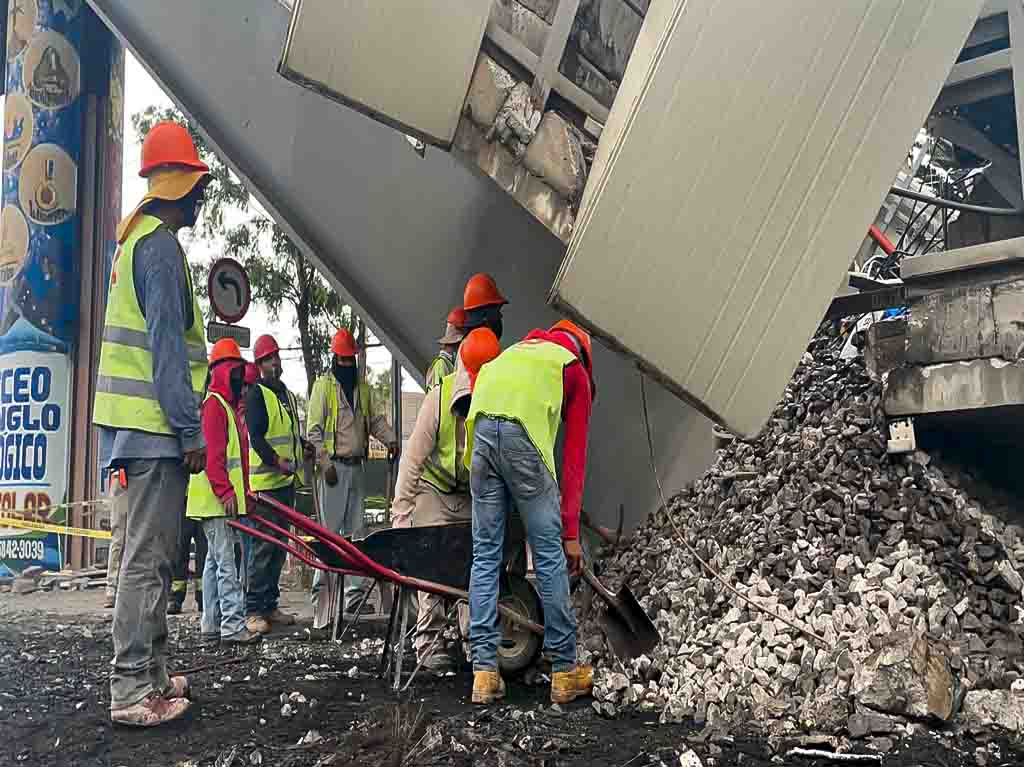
<point>628,629</point>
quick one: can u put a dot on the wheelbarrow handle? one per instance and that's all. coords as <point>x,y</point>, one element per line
<point>599,587</point>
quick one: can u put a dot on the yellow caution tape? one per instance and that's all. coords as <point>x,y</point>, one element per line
<point>43,527</point>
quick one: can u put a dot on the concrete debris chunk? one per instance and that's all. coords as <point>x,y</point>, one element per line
<point>985,709</point>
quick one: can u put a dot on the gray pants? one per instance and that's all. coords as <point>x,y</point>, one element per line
<point>116,537</point>
<point>342,510</point>
<point>152,508</point>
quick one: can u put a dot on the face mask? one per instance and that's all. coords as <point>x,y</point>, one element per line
<point>345,374</point>
<point>497,326</point>
<point>237,380</point>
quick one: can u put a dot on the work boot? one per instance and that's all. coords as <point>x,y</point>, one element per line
<point>280,617</point>
<point>154,710</point>
<point>243,637</point>
<point>488,686</point>
<point>173,607</point>
<point>179,689</point>
<point>567,686</point>
<point>257,624</point>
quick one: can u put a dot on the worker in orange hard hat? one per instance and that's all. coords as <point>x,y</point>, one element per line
<point>433,481</point>
<point>513,422</point>
<point>340,422</point>
<point>482,302</point>
<point>444,363</point>
<point>151,375</point>
<point>275,460</point>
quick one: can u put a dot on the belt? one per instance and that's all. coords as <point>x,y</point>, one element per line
<point>348,460</point>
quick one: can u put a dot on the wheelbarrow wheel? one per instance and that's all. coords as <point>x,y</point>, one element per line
<point>519,647</point>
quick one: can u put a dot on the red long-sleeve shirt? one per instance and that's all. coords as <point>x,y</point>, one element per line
<point>577,399</point>
<point>215,432</point>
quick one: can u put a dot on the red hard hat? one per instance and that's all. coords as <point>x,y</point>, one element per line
<point>344,345</point>
<point>265,346</point>
<point>480,347</point>
<point>225,349</point>
<point>169,144</point>
<point>481,291</point>
<point>457,317</point>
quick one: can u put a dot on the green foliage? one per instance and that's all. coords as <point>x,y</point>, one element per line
<point>380,392</point>
<point>283,279</point>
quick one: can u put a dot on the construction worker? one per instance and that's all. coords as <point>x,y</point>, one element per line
<point>275,458</point>
<point>517,404</point>
<point>482,302</point>
<point>444,363</point>
<point>433,481</point>
<point>219,494</point>
<point>151,372</point>
<point>340,421</point>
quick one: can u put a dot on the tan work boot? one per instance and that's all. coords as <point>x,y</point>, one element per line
<point>567,686</point>
<point>257,624</point>
<point>281,618</point>
<point>488,686</point>
<point>154,710</point>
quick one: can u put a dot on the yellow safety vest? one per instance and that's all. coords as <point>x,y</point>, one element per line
<point>283,436</point>
<point>202,501</point>
<point>326,386</point>
<point>125,395</point>
<point>524,384</point>
<point>442,470</point>
<point>442,366</point>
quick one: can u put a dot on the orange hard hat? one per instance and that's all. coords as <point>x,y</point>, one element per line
<point>343,344</point>
<point>480,347</point>
<point>481,291</point>
<point>457,317</point>
<point>581,336</point>
<point>169,144</point>
<point>264,347</point>
<point>224,350</point>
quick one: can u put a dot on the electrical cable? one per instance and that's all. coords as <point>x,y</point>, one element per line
<point>686,543</point>
<point>954,205</point>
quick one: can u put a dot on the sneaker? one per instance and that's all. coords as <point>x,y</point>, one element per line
<point>567,686</point>
<point>243,637</point>
<point>108,601</point>
<point>179,689</point>
<point>154,710</point>
<point>280,617</point>
<point>210,639</point>
<point>488,686</point>
<point>173,607</point>
<point>257,624</point>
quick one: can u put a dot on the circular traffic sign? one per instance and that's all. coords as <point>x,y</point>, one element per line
<point>229,290</point>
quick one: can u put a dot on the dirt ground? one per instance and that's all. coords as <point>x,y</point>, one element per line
<point>55,650</point>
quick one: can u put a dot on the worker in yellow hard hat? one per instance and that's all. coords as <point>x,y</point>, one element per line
<point>340,422</point>
<point>151,374</point>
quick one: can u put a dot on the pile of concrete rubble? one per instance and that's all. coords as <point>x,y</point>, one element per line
<point>904,575</point>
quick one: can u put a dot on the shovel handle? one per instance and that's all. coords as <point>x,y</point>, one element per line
<point>599,587</point>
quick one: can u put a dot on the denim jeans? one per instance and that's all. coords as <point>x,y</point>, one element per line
<point>264,560</point>
<point>223,600</point>
<point>507,470</point>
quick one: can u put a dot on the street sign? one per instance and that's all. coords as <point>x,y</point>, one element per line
<point>218,330</point>
<point>229,290</point>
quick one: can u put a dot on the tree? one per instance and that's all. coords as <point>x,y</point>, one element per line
<point>380,392</point>
<point>283,279</point>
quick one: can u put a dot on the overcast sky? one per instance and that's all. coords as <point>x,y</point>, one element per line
<point>140,92</point>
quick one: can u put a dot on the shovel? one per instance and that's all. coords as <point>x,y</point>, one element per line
<point>630,632</point>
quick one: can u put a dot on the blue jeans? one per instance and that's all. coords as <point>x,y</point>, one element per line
<point>223,600</point>
<point>263,560</point>
<point>507,470</point>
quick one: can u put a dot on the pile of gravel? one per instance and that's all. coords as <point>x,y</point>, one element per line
<point>813,521</point>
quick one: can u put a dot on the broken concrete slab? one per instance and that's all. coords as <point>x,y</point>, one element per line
<point>555,155</point>
<point>908,676</point>
<point>953,386</point>
<point>985,709</point>
<point>488,91</point>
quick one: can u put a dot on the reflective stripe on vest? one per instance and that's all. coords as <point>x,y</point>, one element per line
<point>283,436</point>
<point>443,365</point>
<point>523,384</point>
<point>330,386</point>
<point>441,469</point>
<point>203,503</point>
<point>125,395</point>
